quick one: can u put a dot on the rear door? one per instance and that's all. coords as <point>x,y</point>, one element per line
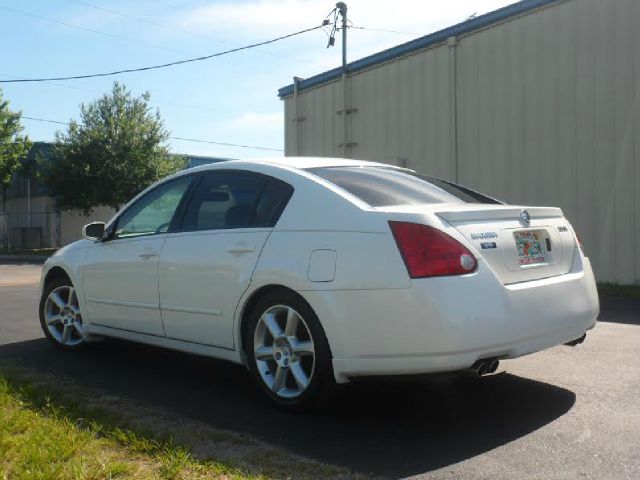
<point>205,269</point>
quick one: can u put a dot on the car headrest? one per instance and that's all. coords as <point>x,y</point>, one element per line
<point>238,216</point>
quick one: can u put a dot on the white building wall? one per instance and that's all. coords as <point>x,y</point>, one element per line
<point>538,109</point>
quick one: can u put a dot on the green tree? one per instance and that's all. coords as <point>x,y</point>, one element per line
<point>13,146</point>
<point>114,151</point>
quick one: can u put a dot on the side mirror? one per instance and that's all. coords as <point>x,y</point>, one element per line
<point>93,231</point>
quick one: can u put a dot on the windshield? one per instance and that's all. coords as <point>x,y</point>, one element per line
<point>386,186</point>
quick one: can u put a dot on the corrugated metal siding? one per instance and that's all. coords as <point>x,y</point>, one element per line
<point>317,122</point>
<point>547,112</point>
<point>410,111</point>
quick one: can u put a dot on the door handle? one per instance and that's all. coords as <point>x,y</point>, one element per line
<point>241,249</point>
<point>148,255</point>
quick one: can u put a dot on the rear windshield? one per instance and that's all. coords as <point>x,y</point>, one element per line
<point>382,186</point>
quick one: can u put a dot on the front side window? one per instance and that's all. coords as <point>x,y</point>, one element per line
<point>153,212</point>
<point>385,186</point>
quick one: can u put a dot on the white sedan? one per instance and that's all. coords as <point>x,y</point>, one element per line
<point>314,271</point>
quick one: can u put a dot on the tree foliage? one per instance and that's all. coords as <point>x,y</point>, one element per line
<point>114,151</point>
<point>13,146</point>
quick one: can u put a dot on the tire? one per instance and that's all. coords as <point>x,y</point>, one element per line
<point>293,367</point>
<point>60,316</point>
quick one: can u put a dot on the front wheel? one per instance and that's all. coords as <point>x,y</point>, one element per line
<point>60,315</point>
<point>288,352</point>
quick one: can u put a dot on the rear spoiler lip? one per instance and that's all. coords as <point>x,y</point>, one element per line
<point>506,212</point>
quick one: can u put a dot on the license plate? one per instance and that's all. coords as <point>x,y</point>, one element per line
<point>530,247</point>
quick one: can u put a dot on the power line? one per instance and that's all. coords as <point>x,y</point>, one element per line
<point>161,102</point>
<point>43,120</point>
<point>148,21</point>
<point>138,18</point>
<point>225,144</point>
<point>164,65</point>
<point>86,29</point>
<point>196,140</point>
<point>143,20</point>
<point>61,85</point>
<point>180,30</point>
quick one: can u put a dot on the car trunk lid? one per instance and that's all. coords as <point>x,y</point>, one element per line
<point>516,249</point>
<point>518,243</point>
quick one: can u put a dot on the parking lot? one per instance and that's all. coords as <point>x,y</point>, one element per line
<point>565,413</point>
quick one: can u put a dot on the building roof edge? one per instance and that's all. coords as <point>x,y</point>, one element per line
<point>426,41</point>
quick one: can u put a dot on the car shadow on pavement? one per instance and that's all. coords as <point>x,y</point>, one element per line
<point>620,310</point>
<point>391,428</point>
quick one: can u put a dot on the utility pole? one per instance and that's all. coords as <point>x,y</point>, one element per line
<point>342,9</point>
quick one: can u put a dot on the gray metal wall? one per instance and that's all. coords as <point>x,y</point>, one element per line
<point>539,109</point>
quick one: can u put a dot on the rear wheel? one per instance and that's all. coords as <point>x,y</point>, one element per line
<point>288,352</point>
<point>60,315</point>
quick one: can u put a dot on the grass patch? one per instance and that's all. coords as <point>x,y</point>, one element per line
<point>53,429</point>
<point>40,439</point>
<point>615,290</point>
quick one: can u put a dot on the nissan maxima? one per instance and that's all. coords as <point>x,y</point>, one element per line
<point>314,271</point>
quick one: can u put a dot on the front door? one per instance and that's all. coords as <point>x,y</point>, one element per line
<point>120,274</point>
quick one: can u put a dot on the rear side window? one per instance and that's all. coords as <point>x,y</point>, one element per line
<point>224,200</point>
<point>381,186</point>
<point>274,198</point>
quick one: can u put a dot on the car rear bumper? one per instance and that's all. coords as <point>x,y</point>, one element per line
<point>348,368</point>
<point>446,324</point>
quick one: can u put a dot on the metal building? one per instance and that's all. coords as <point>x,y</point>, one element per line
<point>535,103</point>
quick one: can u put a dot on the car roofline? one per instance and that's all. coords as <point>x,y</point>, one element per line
<point>299,163</point>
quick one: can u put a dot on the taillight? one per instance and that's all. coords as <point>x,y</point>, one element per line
<point>429,252</point>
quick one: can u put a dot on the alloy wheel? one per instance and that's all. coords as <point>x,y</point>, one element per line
<point>62,316</point>
<point>284,352</point>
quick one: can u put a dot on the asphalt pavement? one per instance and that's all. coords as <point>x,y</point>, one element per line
<point>566,413</point>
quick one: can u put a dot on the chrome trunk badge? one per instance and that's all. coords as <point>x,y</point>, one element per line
<point>525,218</point>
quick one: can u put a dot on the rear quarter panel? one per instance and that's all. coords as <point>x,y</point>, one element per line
<point>320,218</point>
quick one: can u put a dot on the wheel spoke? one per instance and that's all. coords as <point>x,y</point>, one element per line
<point>292,323</point>
<point>272,324</point>
<point>279,379</point>
<point>303,348</point>
<point>66,334</point>
<point>79,328</point>
<point>299,375</point>
<point>263,353</point>
<point>72,297</point>
<point>57,299</point>
<point>53,319</point>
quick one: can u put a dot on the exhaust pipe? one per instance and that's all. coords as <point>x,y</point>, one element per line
<point>577,341</point>
<point>493,366</point>
<point>485,366</point>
